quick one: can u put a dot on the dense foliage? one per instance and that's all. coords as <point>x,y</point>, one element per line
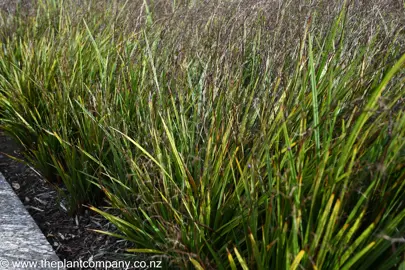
<point>224,134</point>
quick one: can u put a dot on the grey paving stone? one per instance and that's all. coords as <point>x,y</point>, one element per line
<point>21,241</point>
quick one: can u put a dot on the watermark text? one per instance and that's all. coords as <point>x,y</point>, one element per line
<point>65,264</point>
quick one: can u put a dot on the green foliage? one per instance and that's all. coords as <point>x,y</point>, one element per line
<point>215,141</point>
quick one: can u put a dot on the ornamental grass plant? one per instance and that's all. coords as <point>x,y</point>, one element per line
<point>221,134</point>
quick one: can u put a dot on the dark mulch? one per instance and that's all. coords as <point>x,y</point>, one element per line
<point>70,236</point>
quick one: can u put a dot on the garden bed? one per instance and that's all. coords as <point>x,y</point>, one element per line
<point>70,236</point>
<point>221,135</point>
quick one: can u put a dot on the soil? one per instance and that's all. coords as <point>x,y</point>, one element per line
<point>70,236</point>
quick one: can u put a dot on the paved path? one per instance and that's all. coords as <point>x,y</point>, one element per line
<point>21,241</point>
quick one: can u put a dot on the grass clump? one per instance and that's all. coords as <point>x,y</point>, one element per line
<point>225,136</point>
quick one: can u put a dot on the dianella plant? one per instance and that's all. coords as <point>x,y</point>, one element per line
<point>220,135</point>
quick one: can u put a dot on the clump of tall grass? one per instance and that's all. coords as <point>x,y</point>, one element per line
<point>260,136</point>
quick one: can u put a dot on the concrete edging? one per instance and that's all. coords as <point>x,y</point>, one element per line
<point>20,238</point>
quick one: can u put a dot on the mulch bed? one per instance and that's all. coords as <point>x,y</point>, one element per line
<point>70,236</point>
